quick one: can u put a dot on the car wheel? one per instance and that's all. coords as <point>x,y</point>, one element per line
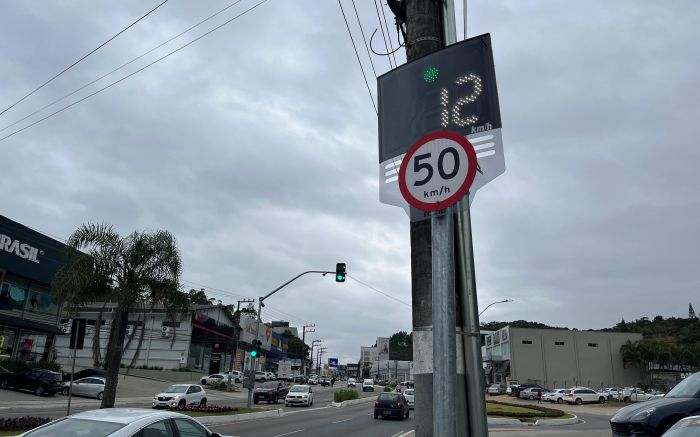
<point>262,380</point>
<point>531,397</point>
<point>3,384</point>
<point>203,382</point>
<point>376,416</point>
<point>601,400</point>
<point>66,390</point>
<point>277,400</point>
<point>408,413</point>
<point>579,401</point>
<point>560,401</point>
<point>255,401</point>
<point>39,391</point>
<point>100,395</point>
<point>182,404</point>
<point>203,402</point>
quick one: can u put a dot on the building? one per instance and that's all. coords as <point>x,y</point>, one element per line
<point>29,312</point>
<point>558,357</point>
<point>375,362</point>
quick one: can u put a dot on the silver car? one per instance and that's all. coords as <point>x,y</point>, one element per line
<point>93,387</point>
<point>409,394</point>
<point>123,422</point>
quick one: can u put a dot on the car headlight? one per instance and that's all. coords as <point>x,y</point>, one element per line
<point>155,397</point>
<point>643,414</point>
<point>176,398</point>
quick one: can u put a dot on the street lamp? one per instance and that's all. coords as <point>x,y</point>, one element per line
<point>494,303</point>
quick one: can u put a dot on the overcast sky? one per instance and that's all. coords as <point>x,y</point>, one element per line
<point>257,147</point>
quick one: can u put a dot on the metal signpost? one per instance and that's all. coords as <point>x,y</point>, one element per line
<point>77,338</point>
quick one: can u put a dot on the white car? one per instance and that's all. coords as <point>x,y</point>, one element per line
<point>123,422</point>
<point>179,396</point>
<point>410,397</point>
<point>351,382</point>
<point>221,377</point>
<point>368,385</point>
<point>299,395</point>
<point>556,396</point>
<point>582,395</point>
<point>531,393</point>
<point>264,376</point>
<point>312,380</point>
<point>610,393</point>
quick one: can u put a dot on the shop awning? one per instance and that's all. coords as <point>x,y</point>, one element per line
<point>18,322</point>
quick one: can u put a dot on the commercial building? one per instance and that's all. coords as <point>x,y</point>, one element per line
<point>375,362</point>
<point>558,357</point>
<point>29,312</point>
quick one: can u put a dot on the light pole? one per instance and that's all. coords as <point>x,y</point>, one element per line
<point>494,303</point>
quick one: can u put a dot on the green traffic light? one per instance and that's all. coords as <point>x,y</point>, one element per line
<point>339,278</point>
<point>253,354</point>
<point>430,74</point>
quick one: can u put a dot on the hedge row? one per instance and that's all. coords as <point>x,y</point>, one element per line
<point>542,411</point>
<point>345,395</point>
<point>15,365</point>
<point>22,423</point>
<point>210,409</point>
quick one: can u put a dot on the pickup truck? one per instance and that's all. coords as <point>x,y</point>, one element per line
<point>270,391</point>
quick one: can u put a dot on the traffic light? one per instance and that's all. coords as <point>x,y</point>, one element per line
<point>340,272</point>
<point>255,352</point>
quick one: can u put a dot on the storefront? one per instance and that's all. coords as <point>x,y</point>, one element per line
<point>29,313</point>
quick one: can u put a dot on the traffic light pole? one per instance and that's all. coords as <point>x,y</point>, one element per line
<point>303,352</point>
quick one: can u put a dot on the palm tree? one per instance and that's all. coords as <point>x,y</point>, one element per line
<point>140,269</point>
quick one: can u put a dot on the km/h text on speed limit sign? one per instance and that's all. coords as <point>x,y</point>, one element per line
<point>437,171</point>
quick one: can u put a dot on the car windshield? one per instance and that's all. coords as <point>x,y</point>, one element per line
<point>77,428</point>
<point>298,388</point>
<point>269,384</point>
<point>495,386</point>
<point>685,428</point>
<point>389,397</point>
<point>177,389</point>
<point>408,392</point>
<point>687,388</point>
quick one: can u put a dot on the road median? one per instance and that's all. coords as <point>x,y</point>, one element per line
<point>223,419</point>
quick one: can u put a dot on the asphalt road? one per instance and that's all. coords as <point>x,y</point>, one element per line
<point>356,420</point>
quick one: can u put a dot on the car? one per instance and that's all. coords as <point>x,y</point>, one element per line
<point>85,373</point>
<point>688,427</point>
<point>515,391</point>
<point>91,387</point>
<point>610,393</point>
<point>270,391</point>
<point>300,379</point>
<point>299,395</point>
<point>324,382</point>
<point>367,385</point>
<point>265,376</point>
<point>39,381</point>
<point>532,393</point>
<point>655,416</point>
<point>556,396</point>
<point>496,389</point>
<point>313,380</point>
<point>180,396</point>
<point>216,378</point>
<point>410,397</point>
<point>583,395</point>
<point>351,382</point>
<point>391,405</point>
<point>123,422</point>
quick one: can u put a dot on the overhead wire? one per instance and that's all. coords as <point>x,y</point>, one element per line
<point>81,59</point>
<point>379,291</point>
<point>133,73</point>
<point>386,46</point>
<point>369,55</point>
<point>364,76</point>
<point>391,45</point>
<point>123,65</point>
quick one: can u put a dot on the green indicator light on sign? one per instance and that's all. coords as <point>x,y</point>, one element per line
<point>430,74</point>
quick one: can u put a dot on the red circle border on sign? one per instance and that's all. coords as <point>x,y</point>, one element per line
<point>471,171</point>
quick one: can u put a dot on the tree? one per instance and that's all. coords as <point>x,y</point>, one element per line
<point>141,268</point>
<point>296,349</point>
<point>401,346</point>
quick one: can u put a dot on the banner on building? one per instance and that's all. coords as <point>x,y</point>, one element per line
<point>248,325</point>
<point>383,348</point>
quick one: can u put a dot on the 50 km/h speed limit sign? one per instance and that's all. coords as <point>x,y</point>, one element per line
<point>437,171</point>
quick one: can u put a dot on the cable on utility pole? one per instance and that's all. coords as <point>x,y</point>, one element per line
<point>386,45</point>
<point>364,38</point>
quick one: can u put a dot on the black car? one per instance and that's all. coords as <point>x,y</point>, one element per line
<point>85,373</point>
<point>300,379</point>
<point>40,381</point>
<point>271,392</point>
<point>391,405</point>
<point>653,417</point>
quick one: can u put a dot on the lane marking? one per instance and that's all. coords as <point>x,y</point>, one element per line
<point>397,434</point>
<point>408,433</point>
<point>288,433</point>
<point>341,421</point>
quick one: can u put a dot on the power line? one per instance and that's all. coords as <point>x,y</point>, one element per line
<point>358,58</point>
<point>391,45</point>
<point>123,65</point>
<point>207,287</point>
<point>133,73</point>
<point>380,291</point>
<point>81,59</point>
<point>386,46</point>
<point>369,55</point>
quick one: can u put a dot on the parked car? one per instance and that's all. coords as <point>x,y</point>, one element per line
<point>556,396</point>
<point>367,385</point>
<point>216,378</point>
<point>299,395</point>
<point>532,392</point>
<point>583,395</point>
<point>265,376</point>
<point>179,396</point>
<point>610,393</point>
<point>123,422</point>
<point>91,387</point>
<point>688,427</point>
<point>85,373</point>
<point>515,391</point>
<point>39,381</point>
<point>496,389</point>
<point>351,382</point>
<point>270,391</point>
<point>655,416</point>
<point>409,394</point>
<point>509,389</point>
<point>391,405</point>
<point>300,379</point>
<point>312,380</point>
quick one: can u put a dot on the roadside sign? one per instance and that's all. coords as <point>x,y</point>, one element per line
<point>332,362</point>
<point>77,334</point>
<point>437,171</point>
<point>451,89</point>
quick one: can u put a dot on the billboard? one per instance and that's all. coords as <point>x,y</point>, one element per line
<point>383,348</point>
<point>248,325</point>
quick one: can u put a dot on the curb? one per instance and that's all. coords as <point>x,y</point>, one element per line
<point>218,420</point>
<point>352,402</point>
<point>557,422</point>
<point>505,421</point>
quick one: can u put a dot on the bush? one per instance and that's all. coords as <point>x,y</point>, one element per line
<point>15,365</point>
<point>541,411</point>
<point>22,423</point>
<point>182,369</point>
<point>345,395</point>
<point>210,409</point>
<point>387,388</point>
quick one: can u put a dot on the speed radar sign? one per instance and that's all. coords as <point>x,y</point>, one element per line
<point>437,171</point>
